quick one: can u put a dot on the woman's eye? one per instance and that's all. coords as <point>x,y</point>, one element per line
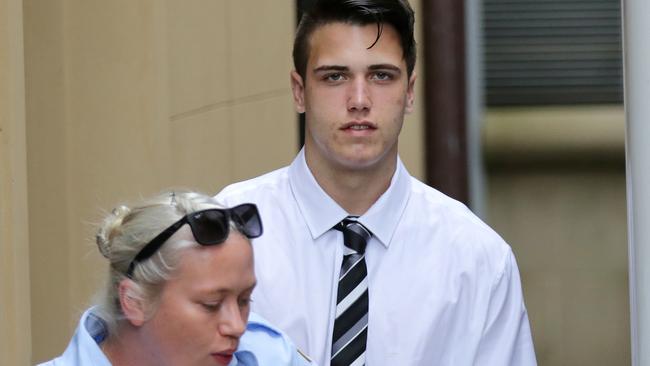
<point>211,307</point>
<point>245,302</point>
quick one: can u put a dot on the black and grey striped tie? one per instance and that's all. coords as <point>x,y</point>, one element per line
<point>351,324</point>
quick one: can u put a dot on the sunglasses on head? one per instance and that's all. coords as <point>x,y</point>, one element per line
<point>209,227</point>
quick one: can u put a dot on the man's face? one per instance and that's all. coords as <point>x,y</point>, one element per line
<point>354,98</point>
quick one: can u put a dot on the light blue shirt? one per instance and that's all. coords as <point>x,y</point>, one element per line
<point>444,288</point>
<point>261,345</point>
<point>264,345</point>
<point>83,349</point>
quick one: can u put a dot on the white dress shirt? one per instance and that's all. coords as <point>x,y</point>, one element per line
<point>444,289</point>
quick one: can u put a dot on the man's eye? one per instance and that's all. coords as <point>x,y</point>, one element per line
<point>334,77</point>
<point>382,76</point>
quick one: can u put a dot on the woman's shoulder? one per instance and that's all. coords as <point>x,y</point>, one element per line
<point>264,344</point>
<point>83,348</point>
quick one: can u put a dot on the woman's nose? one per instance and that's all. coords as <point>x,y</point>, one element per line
<point>233,322</point>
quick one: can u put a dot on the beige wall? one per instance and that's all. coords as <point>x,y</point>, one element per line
<point>15,342</point>
<point>124,99</point>
<point>556,190</point>
<point>127,98</point>
<point>411,145</point>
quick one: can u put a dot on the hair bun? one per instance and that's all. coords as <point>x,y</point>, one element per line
<point>109,229</point>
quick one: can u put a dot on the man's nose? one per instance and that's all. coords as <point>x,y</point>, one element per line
<point>359,95</point>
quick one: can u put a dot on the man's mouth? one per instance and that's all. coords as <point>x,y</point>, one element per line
<point>359,126</point>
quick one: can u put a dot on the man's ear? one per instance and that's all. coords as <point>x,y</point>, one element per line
<point>131,303</point>
<point>298,90</point>
<point>410,93</point>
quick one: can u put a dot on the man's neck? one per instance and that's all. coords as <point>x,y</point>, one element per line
<point>355,190</point>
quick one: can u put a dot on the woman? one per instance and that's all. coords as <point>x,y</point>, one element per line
<point>180,280</point>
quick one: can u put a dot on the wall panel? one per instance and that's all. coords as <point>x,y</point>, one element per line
<point>202,156</point>
<point>261,39</point>
<point>199,67</point>
<point>263,136</point>
<point>15,342</point>
<point>125,99</point>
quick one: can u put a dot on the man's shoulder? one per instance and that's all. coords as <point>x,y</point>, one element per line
<point>427,199</point>
<point>251,189</point>
<point>463,228</point>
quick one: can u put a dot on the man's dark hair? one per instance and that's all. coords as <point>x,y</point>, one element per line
<point>397,13</point>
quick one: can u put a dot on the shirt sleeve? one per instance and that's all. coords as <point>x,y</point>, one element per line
<point>506,338</point>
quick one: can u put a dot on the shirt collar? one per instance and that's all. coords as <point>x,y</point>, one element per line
<point>321,212</point>
<point>84,348</point>
<point>96,327</point>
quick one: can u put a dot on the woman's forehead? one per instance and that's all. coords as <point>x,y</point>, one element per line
<point>228,265</point>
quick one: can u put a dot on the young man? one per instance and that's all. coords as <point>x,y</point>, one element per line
<point>360,263</point>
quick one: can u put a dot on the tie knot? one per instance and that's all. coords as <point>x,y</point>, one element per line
<point>355,235</point>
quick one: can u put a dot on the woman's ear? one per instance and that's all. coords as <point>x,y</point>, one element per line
<point>131,303</point>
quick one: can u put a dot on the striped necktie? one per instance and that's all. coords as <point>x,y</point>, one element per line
<point>351,324</point>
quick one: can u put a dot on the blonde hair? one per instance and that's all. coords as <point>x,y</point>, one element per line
<point>122,235</point>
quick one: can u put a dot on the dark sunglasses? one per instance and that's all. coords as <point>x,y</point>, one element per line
<point>209,227</point>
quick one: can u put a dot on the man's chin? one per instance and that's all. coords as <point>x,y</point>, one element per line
<point>361,162</point>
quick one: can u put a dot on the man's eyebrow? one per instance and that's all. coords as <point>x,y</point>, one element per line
<point>384,67</point>
<point>340,68</point>
<point>331,68</point>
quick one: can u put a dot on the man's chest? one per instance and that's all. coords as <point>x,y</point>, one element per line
<point>419,306</point>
